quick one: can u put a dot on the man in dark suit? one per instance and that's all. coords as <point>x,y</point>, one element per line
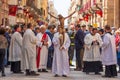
<point>50,32</point>
<point>79,47</point>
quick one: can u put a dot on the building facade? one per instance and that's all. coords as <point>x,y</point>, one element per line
<point>54,12</point>
<point>74,18</point>
<point>29,11</point>
<point>44,8</point>
<point>4,10</point>
<point>98,12</point>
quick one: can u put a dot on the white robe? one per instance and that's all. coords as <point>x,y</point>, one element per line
<point>29,50</point>
<point>15,50</point>
<point>109,50</point>
<point>92,52</point>
<point>60,59</point>
<point>43,51</point>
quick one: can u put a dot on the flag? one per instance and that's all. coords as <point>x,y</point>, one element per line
<point>99,12</point>
<point>12,10</point>
<point>12,20</point>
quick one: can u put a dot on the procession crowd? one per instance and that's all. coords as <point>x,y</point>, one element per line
<point>32,50</point>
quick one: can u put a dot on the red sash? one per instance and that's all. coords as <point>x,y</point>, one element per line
<point>44,37</point>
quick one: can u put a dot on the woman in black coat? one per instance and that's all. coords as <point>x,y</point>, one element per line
<point>3,46</point>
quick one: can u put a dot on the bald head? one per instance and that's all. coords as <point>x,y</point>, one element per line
<point>43,28</point>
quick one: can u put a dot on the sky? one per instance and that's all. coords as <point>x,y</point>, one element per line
<point>62,7</point>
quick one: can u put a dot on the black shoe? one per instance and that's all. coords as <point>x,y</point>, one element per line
<point>3,75</point>
<point>27,72</point>
<point>56,75</point>
<point>64,75</point>
<point>44,70</point>
<point>39,70</point>
<point>97,73</point>
<point>33,73</point>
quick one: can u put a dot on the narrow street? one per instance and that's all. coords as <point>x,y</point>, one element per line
<point>74,75</point>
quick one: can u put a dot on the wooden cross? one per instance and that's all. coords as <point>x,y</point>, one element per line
<point>61,18</point>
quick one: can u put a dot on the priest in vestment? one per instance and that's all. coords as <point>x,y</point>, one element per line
<point>15,50</point>
<point>29,51</point>
<point>92,59</point>
<point>44,42</point>
<point>109,58</point>
<point>60,59</point>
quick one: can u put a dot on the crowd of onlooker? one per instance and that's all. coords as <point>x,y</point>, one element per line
<point>30,49</point>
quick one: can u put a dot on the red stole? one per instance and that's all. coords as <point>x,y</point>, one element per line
<point>44,38</point>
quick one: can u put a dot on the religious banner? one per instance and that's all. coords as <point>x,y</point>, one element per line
<point>12,20</point>
<point>12,10</point>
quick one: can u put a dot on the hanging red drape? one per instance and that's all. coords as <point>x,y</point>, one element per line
<point>12,10</point>
<point>99,12</point>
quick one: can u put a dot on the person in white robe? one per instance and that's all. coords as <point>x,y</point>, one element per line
<point>44,42</point>
<point>15,50</point>
<point>92,59</point>
<point>29,51</point>
<point>60,59</point>
<point>109,58</point>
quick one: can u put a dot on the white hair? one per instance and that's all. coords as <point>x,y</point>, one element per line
<point>42,26</point>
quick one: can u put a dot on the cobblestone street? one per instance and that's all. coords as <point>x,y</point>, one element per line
<point>74,75</point>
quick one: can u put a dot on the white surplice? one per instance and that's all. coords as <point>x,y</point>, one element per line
<point>15,50</point>
<point>92,52</point>
<point>109,50</point>
<point>29,50</point>
<point>60,59</point>
<point>43,51</point>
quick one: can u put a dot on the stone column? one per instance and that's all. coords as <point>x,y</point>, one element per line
<point>110,12</point>
<point>117,13</point>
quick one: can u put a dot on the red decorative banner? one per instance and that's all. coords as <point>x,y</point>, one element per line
<point>12,10</point>
<point>99,12</point>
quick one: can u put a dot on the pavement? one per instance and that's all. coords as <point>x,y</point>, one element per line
<point>74,75</point>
